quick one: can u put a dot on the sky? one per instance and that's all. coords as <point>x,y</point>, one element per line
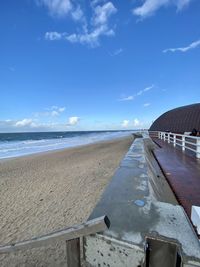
<point>70,65</point>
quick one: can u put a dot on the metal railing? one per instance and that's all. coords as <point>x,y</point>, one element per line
<point>186,142</point>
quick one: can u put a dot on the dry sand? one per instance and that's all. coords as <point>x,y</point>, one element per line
<point>50,191</point>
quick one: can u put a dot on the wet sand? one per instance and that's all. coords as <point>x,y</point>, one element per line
<point>50,191</point>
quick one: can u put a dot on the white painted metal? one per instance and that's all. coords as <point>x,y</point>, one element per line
<point>183,140</point>
<point>183,143</point>
<point>198,148</point>
<point>174,140</point>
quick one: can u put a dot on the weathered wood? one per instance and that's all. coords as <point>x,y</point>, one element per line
<point>73,253</point>
<point>90,227</point>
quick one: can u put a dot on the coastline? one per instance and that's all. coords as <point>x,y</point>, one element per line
<point>65,148</point>
<point>43,192</point>
<point>19,145</point>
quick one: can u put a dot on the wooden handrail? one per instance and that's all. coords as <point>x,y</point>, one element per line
<point>90,227</point>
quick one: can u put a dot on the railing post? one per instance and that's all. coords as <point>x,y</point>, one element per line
<point>164,136</point>
<point>183,143</point>
<point>73,253</point>
<point>198,148</point>
<point>174,140</point>
<point>168,137</point>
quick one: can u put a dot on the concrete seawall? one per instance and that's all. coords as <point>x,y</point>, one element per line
<point>148,227</point>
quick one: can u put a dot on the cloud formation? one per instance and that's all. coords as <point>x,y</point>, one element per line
<point>26,122</point>
<point>92,28</point>
<point>139,93</point>
<point>50,112</point>
<point>127,98</point>
<point>125,123</point>
<point>145,90</point>
<point>183,49</point>
<point>131,124</point>
<point>102,13</point>
<point>73,121</point>
<point>62,8</point>
<point>146,104</point>
<point>149,7</point>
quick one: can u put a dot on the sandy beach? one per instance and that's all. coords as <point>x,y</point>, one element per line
<point>50,191</point>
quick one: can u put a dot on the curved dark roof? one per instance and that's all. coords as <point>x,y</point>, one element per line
<point>179,120</point>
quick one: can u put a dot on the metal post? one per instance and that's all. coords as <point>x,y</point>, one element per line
<point>174,140</point>
<point>198,148</point>
<point>183,143</point>
<point>168,137</point>
<point>73,253</point>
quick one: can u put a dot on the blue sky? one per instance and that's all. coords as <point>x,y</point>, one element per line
<point>96,65</point>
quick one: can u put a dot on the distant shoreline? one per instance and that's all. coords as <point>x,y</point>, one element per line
<point>24,144</point>
<point>63,149</point>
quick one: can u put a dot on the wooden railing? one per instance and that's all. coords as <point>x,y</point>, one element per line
<point>186,142</point>
<point>71,235</point>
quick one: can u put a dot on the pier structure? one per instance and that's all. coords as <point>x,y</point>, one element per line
<point>149,226</point>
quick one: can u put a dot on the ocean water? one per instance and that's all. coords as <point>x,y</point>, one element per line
<point>20,144</point>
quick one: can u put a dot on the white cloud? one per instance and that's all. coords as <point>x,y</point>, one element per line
<point>52,36</point>
<point>77,14</point>
<point>149,7</point>
<point>62,109</point>
<point>73,121</point>
<point>145,90</point>
<point>139,93</point>
<point>136,123</point>
<point>128,98</point>
<point>52,111</point>
<point>96,2</point>
<point>102,13</point>
<point>116,52</point>
<point>58,8</point>
<point>91,29</point>
<point>56,111</point>
<point>182,3</point>
<point>25,122</point>
<point>125,123</point>
<point>183,49</point>
<point>146,104</point>
<point>90,38</point>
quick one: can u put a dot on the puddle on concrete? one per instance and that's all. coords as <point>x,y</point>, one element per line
<point>139,203</point>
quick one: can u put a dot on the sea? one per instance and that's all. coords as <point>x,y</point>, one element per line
<point>20,144</point>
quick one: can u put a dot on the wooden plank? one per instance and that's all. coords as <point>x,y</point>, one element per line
<point>90,227</point>
<point>73,253</point>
